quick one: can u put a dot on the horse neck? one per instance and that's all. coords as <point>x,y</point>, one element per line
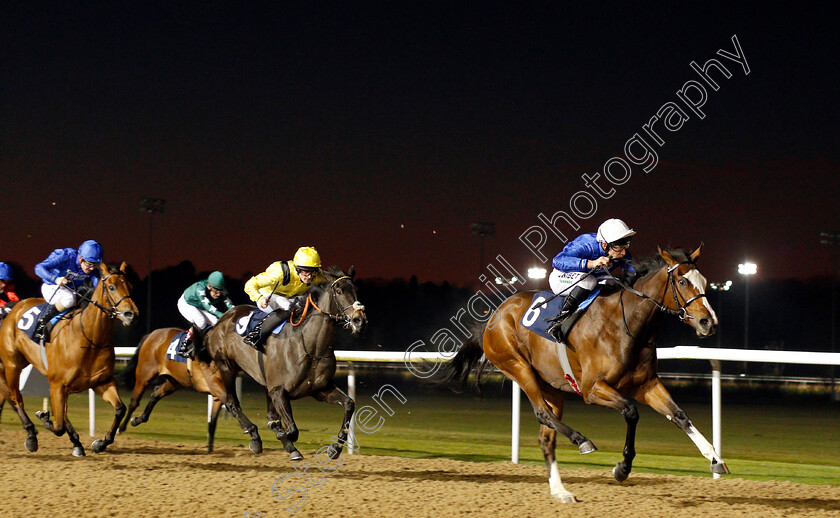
<point>642,315</point>
<point>96,325</point>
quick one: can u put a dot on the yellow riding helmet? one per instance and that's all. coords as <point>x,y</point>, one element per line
<point>307,257</point>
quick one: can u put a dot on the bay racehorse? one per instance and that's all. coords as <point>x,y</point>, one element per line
<point>80,356</point>
<point>298,362</point>
<point>152,366</point>
<point>611,351</point>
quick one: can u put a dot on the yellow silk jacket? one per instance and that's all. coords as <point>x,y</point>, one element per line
<point>282,277</point>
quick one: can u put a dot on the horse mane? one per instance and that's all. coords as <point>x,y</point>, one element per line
<point>647,266</point>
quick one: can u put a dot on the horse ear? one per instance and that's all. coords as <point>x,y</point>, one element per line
<point>665,255</point>
<point>695,254</point>
<point>351,272</point>
<point>123,266</point>
<point>103,268</point>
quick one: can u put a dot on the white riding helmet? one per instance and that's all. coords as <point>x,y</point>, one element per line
<point>613,230</point>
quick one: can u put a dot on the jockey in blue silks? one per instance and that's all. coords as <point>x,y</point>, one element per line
<point>66,268</point>
<point>605,248</point>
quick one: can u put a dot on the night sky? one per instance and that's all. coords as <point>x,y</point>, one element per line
<point>378,133</point>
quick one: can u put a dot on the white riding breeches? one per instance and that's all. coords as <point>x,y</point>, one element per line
<point>563,282</point>
<point>59,296</point>
<point>275,301</point>
<point>197,316</point>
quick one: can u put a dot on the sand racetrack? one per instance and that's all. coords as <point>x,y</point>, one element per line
<point>144,478</point>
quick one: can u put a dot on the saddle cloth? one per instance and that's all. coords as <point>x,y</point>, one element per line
<point>535,320</point>
<point>247,323</point>
<point>29,318</point>
<point>173,352</point>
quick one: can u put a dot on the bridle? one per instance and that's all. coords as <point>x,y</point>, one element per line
<point>681,312</point>
<point>342,316</point>
<point>111,310</point>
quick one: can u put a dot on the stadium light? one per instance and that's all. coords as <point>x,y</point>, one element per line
<point>536,273</point>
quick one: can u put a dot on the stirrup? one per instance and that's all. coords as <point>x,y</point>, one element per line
<point>253,337</point>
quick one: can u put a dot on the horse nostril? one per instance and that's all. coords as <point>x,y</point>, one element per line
<point>705,322</point>
<point>129,315</point>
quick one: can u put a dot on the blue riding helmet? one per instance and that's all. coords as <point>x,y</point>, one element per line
<point>91,251</point>
<point>5,272</point>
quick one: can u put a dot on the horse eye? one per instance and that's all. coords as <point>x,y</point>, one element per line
<point>338,291</point>
<point>682,282</point>
<point>112,288</point>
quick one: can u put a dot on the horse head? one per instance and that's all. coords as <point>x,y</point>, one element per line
<point>339,299</point>
<point>686,292</point>
<point>114,293</point>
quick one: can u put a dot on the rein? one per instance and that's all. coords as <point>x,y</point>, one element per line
<point>341,317</point>
<point>111,312</point>
<point>681,313</point>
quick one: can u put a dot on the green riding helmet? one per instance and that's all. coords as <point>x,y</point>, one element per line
<point>216,280</point>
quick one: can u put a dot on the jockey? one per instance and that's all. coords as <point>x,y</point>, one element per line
<point>274,287</point>
<point>8,297</point>
<point>607,248</point>
<point>202,304</point>
<point>65,270</point>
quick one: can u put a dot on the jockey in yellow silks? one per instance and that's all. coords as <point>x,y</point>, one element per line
<point>272,290</point>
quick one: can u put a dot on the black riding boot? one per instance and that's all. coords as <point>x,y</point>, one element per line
<point>43,320</point>
<point>187,350</point>
<point>256,338</point>
<point>571,303</point>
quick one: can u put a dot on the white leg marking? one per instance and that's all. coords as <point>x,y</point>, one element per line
<point>702,444</point>
<point>557,490</point>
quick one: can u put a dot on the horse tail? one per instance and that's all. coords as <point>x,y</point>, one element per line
<point>455,374</point>
<point>127,378</point>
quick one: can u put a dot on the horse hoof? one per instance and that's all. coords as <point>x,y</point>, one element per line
<point>31,444</point>
<point>78,451</point>
<point>566,499</point>
<point>255,446</point>
<point>719,468</point>
<point>98,446</point>
<point>620,473</point>
<point>295,455</point>
<point>43,416</point>
<point>334,450</point>
<point>135,421</point>
<point>587,447</point>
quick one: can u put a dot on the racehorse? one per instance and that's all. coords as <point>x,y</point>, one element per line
<point>80,356</point>
<point>611,351</point>
<point>150,365</point>
<point>299,361</point>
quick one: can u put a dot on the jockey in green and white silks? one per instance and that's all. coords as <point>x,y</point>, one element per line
<point>605,248</point>
<point>203,304</point>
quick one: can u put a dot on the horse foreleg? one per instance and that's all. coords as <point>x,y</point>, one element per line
<point>12,376</point>
<point>108,392</point>
<point>161,390</point>
<point>604,395</point>
<point>211,423</point>
<point>223,387</point>
<point>58,400</point>
<point>657,396</point>
<point>140,386</point>
<point>337,396</point>
<point>281,421</point>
